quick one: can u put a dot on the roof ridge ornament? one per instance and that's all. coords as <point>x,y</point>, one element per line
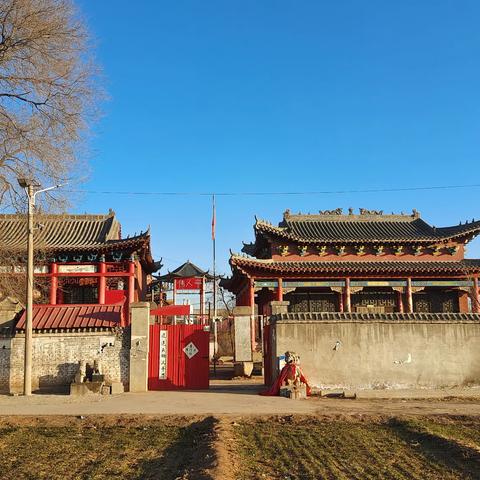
<point>364,211</point>
<point>336,211</point>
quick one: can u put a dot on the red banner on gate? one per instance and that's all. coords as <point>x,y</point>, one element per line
<point>190,283</point>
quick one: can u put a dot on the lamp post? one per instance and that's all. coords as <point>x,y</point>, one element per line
<point>29,187</point>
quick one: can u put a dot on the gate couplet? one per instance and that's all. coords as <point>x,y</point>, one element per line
<point>178,357</point>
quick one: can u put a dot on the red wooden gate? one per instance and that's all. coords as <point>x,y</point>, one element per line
<point>178,357</point>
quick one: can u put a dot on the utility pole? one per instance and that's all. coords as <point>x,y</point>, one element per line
<point>27,378</point>
<point>29,187</point>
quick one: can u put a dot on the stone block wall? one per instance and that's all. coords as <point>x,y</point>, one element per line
<point>56,357</point>
<point>4,364</point>
<point>382,354</point>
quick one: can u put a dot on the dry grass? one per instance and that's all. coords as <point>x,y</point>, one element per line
<point>90,449</point>
<point>307,447</point>
<point>285,448</point>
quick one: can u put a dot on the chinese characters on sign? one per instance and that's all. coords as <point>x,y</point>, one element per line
<point>162,370</point>
<point>191,283</point>
<point>190,350</point>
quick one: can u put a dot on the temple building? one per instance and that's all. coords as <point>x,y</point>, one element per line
<point>79,260</point>
<point>365,262</point>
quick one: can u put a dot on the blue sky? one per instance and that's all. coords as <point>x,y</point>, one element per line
<point>275,96</point>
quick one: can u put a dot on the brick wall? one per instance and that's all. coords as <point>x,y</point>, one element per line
<point>56,357</point>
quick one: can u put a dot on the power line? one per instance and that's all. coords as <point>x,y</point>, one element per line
<point>245,194</point>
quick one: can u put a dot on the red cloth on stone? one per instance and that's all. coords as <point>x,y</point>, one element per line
<point>288,371</point>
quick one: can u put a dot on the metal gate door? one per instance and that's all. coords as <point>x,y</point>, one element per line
<point>178,357</point>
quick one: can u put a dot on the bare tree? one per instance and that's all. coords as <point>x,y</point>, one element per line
<point>48,92</point>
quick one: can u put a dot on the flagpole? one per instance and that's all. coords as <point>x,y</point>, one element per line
<point>214,221</point>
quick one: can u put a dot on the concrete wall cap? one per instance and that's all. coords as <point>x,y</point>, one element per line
<point>140,305</point>
<point>239,311</point>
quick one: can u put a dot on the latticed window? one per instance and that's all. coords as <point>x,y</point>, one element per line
<point>384,302</point>
<point>312,302</point>
<point>76,290</point>
<point>116,283</point>
<point>436,302</point>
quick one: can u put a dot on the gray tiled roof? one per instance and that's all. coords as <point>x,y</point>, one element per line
<point>65,232</point>
<point>186,270</point>
<point>363,228</point>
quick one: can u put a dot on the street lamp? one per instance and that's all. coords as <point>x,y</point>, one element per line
<point>30,189</point>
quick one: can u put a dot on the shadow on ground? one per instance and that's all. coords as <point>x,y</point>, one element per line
<point>188,458</point>
<point>452,455</point>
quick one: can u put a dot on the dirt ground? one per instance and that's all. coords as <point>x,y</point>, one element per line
<point>241,398</point>
<point>231,433</point>
<point>333,446</point>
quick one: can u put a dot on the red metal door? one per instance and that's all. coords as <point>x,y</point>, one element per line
<point>267,355</point>
<point>178,357</point>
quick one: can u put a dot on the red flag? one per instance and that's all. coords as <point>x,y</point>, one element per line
<point>214,218</point>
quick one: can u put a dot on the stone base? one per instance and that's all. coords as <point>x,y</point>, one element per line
<point>294,392</point>
<point>116,388</point>
<point>243,369</point>
<point>85,388</point>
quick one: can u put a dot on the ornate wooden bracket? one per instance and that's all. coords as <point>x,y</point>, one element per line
<point>355,289</point>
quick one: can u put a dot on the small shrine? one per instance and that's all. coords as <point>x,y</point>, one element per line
<point>186,279</point>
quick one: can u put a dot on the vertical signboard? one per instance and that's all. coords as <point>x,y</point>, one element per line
<point>163,352</point>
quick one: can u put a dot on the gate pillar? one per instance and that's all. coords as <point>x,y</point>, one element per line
<point>139,341</point>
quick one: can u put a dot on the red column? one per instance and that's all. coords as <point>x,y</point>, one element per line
<point>340,301</point>
<point>280,290</point>
<point>409,296</point>
<point>102,283</point>
<point>252,305</point>
<point>53,283</point>
<point>400,301</point>
<point>348,304</point>
<point>476,297</point>
<point>131,282</point>
<point>202,301</point>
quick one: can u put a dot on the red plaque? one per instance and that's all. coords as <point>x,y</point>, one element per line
<point>191,283</point>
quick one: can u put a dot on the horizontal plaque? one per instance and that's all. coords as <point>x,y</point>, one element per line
<point>268,284</point>
<point>77,269</point>
<point>442,283</point>
<point>378,283</point>
<point>333,283</point>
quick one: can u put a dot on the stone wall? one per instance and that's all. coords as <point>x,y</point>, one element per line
<point>382,354</point>
<point>56,357</point>
<point>4,364</point>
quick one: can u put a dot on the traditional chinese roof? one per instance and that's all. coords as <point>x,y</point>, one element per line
<point>246,264</point>
<point>73,233</point>
<point>367,227</point>
<point>73,317</point>
<point>186,270</point>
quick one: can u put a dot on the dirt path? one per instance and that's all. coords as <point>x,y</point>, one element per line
<point>231,399</point>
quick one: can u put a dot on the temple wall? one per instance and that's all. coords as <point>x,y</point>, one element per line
<point>56,357</point>
<point>382,354</point>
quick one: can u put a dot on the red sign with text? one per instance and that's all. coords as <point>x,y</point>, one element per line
<point>191,283</point>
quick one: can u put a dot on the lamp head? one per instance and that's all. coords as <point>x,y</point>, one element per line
<point>27,182</point>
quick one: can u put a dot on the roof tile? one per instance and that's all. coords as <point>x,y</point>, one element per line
<point>71,317</point>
